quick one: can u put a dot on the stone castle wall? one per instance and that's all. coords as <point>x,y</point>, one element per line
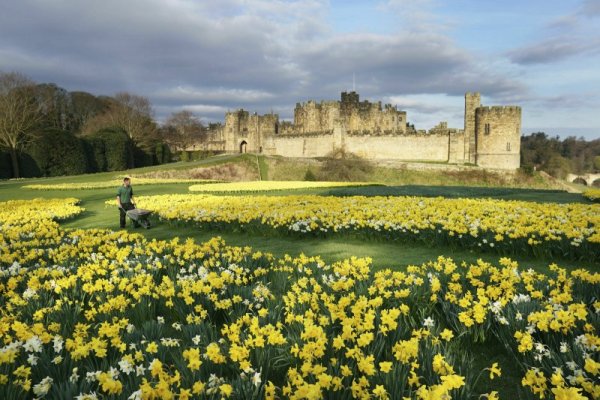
<point>402,147</point>
<point>490,138</point>
<point>498,137</point>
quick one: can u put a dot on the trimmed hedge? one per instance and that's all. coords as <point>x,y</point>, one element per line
<point>5,165</point>
<point>96,153</point>
<point>55,152</point>
<point>162,153</point>
<point>109,150</point>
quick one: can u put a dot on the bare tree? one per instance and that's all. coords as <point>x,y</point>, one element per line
<point>98,122</point>
<point>135,115</point>
<point>183,129</point>
<point>20,115</point>
<point>129,112</point>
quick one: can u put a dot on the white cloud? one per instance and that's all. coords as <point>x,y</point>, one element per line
<point>255,54</point>
<point>564,37</point>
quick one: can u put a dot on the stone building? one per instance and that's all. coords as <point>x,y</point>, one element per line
<point>490,139</point>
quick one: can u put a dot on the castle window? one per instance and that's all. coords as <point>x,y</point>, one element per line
<point>487,129</point>
<point>507,146</point>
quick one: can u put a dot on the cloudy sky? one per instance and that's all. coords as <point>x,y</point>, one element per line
<point>265,55</point>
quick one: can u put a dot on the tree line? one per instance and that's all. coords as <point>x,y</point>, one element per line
<point>559,157</point>
<point>46,130</point>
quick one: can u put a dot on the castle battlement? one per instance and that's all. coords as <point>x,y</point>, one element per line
<point>499,109</point>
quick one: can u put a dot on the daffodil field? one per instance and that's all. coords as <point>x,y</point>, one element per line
<point>507,227</point>
<point>99,314</point>
<point>592,194</point>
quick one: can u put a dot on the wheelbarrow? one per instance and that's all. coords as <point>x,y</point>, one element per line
<point>139,216</point>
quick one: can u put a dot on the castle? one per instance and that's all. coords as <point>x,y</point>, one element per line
<point>490,139</point>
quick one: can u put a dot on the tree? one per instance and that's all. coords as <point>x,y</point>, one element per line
<point>558,157</point>
<point>20,115</point>
<point>84,106</point>
<point>183,129</point>
<point>131,113</point>
<point>134,115</point>
<point>55,103</point>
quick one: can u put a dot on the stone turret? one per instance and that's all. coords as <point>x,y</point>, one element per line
<point>472,102</point>
<point>498,131</point>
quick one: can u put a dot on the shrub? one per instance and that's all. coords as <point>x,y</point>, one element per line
<point>110,149</point>
<point>527,170</point>
<point>143,156</point>
<point>310,176</point>
<point>28,167</point>
<point>162,153</point>
<point>55,152</point>
<point>5,165</point>
<point>184,156</point>
<point>95,153</point>
<point>341,165</point>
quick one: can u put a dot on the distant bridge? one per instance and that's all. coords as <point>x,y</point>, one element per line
<point>585,179</point>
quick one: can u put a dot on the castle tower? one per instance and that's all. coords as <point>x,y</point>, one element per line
<point>498,137</point>
<point>230,130</point>
<point>472,102</point>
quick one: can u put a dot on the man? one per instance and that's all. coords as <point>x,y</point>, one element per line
<point>125,201</point>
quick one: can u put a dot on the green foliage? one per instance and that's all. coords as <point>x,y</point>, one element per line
<point>310,175</point>
<point>111,149</point>
<point>557,166</point>
<point>56,152</point>
<point>162,153</point>
<point>143,156</point>
<point>527,170</point>
<point>558,158</point>
<point>118,150</point>
<point>95,153</point>
<point>28,167</point>
<point>597,163</point>
<point>5,165</point>
<point>184,156</point>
